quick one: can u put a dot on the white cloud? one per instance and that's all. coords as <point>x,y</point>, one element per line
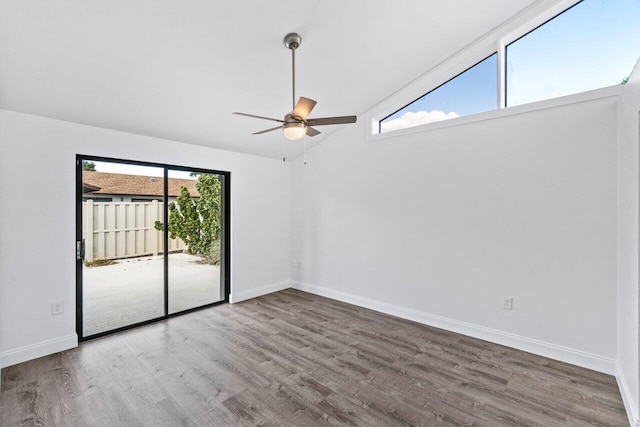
<point>416,118</point>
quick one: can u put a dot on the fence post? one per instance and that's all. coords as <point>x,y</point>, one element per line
<point>88,226</point>
<point>154,232</point>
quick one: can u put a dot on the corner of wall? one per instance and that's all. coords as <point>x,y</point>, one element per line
<point>627,397</point>
<point>236,297</point>
<point>628,191</point>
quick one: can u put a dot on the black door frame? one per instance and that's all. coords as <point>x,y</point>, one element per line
<point>225,241</point>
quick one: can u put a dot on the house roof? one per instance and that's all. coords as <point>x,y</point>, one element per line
<point>134,185</point>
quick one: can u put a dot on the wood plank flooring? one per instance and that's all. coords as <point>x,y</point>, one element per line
<point>292,358</point>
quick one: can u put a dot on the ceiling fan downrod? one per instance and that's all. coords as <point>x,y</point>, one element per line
<point>292,41</point>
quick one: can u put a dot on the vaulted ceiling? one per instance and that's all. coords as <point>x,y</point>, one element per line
<point>178,69</point>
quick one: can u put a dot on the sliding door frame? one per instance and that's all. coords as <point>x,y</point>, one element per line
<point>225,240</point>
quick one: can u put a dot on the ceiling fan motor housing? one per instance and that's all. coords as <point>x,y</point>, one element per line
<point>290,118</point>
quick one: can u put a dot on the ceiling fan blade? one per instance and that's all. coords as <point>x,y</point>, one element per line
<point>266,130</point>
<point>303,107</point>
<point>259,117</point>
<point>311,131</point>
<point>331,121</point>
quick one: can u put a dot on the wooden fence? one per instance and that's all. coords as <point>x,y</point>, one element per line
<point>123,230</point>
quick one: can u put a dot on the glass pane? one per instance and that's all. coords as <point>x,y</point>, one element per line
<point>123,271</point>
<point>594,44</point>
<point>195,225</point>
<point>472,91</point>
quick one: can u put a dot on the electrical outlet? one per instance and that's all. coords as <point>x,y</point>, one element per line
<point>57,308</point>
<point>507,303</point>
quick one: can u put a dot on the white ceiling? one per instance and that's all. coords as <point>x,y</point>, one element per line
<point>177,69</point>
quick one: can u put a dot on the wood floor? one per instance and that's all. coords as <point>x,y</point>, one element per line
<point>291,358</point>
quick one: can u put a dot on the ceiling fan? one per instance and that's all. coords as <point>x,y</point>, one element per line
<point>297,123</point>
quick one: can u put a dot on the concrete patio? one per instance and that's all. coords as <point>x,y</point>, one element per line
<point>132,290</point>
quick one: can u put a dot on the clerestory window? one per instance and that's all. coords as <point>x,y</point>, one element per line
<point>593,44</point>
<point>589,45</point>
<point>472,91</point>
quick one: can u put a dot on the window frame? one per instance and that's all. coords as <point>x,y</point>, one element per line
<point>225,239</point>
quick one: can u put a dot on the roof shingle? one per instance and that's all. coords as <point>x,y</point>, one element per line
<point>135,185</point>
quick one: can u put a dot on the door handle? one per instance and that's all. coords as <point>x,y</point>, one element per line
<point>80,250</point>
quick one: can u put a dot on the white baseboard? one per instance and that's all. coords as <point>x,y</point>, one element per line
<point>541,348</point>
<point>33,351</point>
<point>629,403</point>
<point>236,297</point>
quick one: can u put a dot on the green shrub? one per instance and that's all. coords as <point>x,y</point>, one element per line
<point>197,221</point>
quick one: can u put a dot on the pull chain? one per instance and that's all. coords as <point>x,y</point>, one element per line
<point>305,150</point>
<point>284,153</point>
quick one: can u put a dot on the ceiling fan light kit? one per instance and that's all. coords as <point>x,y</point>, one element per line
<point>295,130</point>
<point>296,124</point>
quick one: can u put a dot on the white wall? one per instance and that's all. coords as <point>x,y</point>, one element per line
<point>437,226</point>
<point>37,222</point>
<point>628,188</point>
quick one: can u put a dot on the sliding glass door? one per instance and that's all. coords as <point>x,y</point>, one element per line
<point>151,242</point>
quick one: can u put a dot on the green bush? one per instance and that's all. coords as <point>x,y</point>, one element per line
<point>214,255</point>
<point>197,221</point>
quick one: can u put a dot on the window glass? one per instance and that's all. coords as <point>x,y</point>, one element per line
<point>470,92</point>
<point>594,44</point>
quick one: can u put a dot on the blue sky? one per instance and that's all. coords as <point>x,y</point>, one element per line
<point>594,44</point>
<point>471,92</point>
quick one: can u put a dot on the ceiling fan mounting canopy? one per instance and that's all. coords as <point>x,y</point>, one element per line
<point>292,40</point>
<point>297,123</point>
